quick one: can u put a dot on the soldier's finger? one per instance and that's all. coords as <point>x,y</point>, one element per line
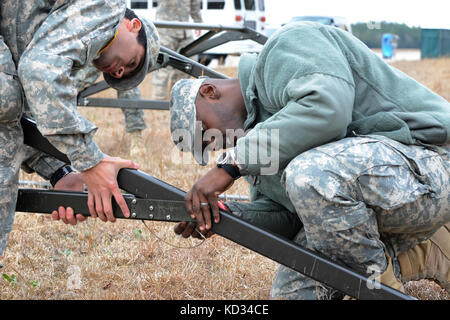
<point>188,204</point>
<point>107,206</point>
<point>99,207</point>
<point>188,231</point>
<point>198,214</point>
<point>63,214</point>
<point>80,217</point>
<point>91,205</point>
<point>55,215</point>
<point>179,227</point>
<point>70,216</point>
<point>121,202</point>
<point>214,208</point>
<point>206,211</point>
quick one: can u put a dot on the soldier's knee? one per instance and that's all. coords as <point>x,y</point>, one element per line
<point>304,173</point>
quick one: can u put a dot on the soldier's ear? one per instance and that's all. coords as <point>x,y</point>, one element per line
<point>209,90</point>
<point>136,25</point>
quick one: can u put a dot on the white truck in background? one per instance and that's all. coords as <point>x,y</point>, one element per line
<point>249,13</point>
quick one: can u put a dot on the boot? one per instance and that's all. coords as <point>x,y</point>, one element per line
<point>429,259</point>
<point>136,144</point>
<point>388,277</point>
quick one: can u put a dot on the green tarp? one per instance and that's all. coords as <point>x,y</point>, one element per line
<point>435,43</point>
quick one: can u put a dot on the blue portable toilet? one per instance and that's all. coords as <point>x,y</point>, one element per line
<point>388,45</point>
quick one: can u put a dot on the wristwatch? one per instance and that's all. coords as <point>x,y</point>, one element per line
<point>60,173</point>
<point>227,162</point>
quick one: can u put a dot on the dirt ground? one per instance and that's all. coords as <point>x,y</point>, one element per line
<point>128,260</point>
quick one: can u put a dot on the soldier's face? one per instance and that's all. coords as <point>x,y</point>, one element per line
<point>125,54</point>
<point>220,107</point>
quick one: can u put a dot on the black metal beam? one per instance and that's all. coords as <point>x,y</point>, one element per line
<point>194,44</point>
<point>253,34</point>
<point>125,103</point>
<point>221,39</point>
<point>189,66</point>
<point>262,241</point>
<point>46,201</point>
<point>93,89</point>
<point>34,138</point>
<point>196,26</point>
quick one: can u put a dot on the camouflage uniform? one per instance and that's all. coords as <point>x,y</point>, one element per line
<point>355,200</point>
<point>134,118</point>
<point>41,44</point>
<point>360,198</point>
<point>353,163</point>
<point>11,153</point>
<point>173,39</point>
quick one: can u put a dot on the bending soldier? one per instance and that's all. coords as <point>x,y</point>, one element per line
<point>336,141</point>
<point>41,44</point>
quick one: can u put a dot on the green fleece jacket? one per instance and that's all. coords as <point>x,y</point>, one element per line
<point>316,84</point>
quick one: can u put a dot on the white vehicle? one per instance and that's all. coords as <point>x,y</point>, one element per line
<point>249,13</point>
<point>143,8</point>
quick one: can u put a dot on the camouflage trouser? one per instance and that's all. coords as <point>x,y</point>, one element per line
<point>11,141</point>
<point>164,78</point>
<point>134,118</point>
<point>360,199</point>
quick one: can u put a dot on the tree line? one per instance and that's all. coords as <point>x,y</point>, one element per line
<point>371,33</point>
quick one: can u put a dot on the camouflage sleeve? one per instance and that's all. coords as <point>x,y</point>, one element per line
<point>195,11</point>
<point>86,77</point>
<point>134,118</point>
<point>41,163</point>
<point>69,38</point>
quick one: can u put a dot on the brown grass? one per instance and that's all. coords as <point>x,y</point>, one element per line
<point>125,260</point>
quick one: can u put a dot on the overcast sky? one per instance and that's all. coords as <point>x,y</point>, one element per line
<point>424,13</point>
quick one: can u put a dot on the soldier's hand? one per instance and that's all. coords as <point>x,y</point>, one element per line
<point>203,197</point>
<point>189,229</point>
<point>101,182</point>
<point>67,216</point>
<point>70,182</point>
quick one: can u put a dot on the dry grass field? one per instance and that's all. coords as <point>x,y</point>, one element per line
<point>127,260</point>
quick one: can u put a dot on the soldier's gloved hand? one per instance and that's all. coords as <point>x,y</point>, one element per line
<point>188,229</point>
<point>70,182</point>
<point>101,182</point>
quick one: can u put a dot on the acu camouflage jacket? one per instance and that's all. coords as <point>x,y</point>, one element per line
<point>49,40</point>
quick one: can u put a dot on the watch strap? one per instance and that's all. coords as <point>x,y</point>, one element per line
<point>232,170</point>
<point>60,173</point>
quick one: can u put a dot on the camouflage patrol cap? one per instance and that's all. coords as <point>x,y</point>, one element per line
<point>151,55</point>
<point>185,129</point>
